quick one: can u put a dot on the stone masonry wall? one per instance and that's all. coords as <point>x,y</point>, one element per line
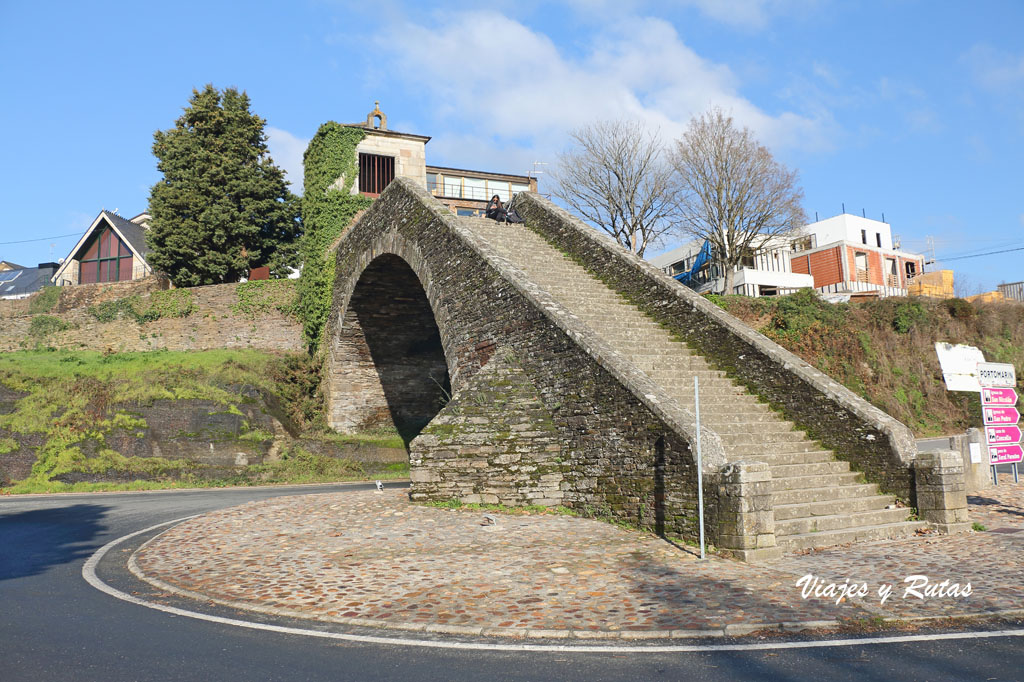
<point>880,446</point>
<point>621,455</point>
<point>216,324</point>
<point>499,436</point>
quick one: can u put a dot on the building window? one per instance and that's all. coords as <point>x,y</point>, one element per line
<point>452,186</point>
<point>861,262</point>
<point>499,187</point>
<point>466,212</point>
<point>804,243</point>
<point>892,273</point>
<point>432,183</point>
<point>106,259</point>
<point>863,236</point>
<point>375,172</point>
<point>878,239</point>
<point>474,188</point>
<point>911,269</point>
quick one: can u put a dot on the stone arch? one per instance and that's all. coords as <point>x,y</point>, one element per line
<point>387,365</point>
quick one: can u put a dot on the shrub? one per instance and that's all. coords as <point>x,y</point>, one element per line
<point>959,309</point>
<point>907,315</point>
<point>43,301</point>
<point>44,325</point>
<point>796,313</point>
<point>160,304</point>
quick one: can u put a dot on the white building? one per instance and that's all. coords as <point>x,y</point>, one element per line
<point>766,272</point>
<point>851,255</point>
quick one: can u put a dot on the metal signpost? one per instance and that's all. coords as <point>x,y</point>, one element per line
<point>700,473</point>
<point>998,399</point>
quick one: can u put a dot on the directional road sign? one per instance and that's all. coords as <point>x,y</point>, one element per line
<point>1005,454</point>
<point>998,396</point>
<point>1002,435</point>
<point>999,374</point>
<point>1000,415</point>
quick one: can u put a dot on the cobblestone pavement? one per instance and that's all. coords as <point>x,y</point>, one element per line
<point>374,559</point>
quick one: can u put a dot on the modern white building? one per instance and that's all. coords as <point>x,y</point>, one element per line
<point>851,255</point>
<point>766,272</point>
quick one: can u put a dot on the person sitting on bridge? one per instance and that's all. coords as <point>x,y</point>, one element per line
<point>495,210</point>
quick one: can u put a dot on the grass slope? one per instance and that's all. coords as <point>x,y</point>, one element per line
<point>74,399</point>
<point>884,350</point>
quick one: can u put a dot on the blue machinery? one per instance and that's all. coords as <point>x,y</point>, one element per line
<point>702,258</point>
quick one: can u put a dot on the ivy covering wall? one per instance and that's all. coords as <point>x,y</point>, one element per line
<point>327,209</point>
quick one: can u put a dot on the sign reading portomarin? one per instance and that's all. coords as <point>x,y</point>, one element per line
<point>996,375</point>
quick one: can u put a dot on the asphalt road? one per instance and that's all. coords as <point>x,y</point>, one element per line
<point>54,626</point>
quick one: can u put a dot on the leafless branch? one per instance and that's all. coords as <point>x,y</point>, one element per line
<point>733,193</point>
<point>617,179</point>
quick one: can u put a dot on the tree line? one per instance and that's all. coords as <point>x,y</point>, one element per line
<point>716,183</point>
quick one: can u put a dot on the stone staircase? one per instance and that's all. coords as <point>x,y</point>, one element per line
<point>818,501</point>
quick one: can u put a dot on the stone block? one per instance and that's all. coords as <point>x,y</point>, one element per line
<point>941,491</point>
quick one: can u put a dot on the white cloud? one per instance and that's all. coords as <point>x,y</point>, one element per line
<point>747,14</point>
<point>497,83</point>
<point>287,150</point>
<point>994,69</point>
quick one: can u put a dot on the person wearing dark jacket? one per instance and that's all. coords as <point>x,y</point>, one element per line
<point>495,210</point>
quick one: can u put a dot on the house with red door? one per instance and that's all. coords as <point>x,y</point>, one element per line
<point>853,255</point>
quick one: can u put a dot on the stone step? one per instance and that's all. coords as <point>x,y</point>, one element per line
<point>737,437</point>
<point>759,453</point>
<point>815,482</point>
<point>845,536</point>
<point>766,426</point>
<point>817,524</point>
<point>682,382</point>
<point>824,493</point>
<point>809,469</point>
<point>757,417</point>
<point>850,505</point>
<point>777,458</point>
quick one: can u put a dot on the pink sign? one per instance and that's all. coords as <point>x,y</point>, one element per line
<point>1005,454</point>
<point>1002,435</point>
<point>1000,415</point>
<point>998,396</point>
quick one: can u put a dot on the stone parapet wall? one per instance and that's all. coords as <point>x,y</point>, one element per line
<point>622,450</point>
<point>217,323</point>
<point>880,446</point>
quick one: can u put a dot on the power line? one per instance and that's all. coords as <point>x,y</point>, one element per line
<point>979,255</point>
<point>43,239</point>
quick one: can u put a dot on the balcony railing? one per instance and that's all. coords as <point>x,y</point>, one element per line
<point>454,191</point>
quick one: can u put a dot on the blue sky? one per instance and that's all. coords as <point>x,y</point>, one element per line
<point>914,109</point>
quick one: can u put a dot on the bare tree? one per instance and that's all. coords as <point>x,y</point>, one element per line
<point>734,193</point>
<point>616,178</point>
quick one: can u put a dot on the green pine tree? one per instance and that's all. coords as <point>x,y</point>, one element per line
<point>222,206</point>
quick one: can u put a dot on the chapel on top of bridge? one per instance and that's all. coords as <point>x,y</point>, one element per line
<point>386,154</point>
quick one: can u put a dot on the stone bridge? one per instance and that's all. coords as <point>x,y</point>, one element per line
<point>544,364</point>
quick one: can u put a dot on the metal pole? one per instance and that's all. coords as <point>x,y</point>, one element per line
<point>700,471</point>
<point>1015,479</point>
<point>995,476</point>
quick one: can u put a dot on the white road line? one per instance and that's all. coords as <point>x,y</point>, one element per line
<point>89,574</point>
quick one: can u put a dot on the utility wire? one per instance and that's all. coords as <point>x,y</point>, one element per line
<point>43,239</point>
<point>979,255</point>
